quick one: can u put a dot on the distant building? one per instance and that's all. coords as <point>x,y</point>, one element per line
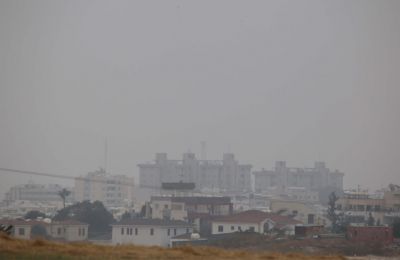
<point>111,190</point>
<point>33,192</point>
<point>69,230</point>
<point>149,232</point>
<point>214,175</point>
<point>254,221</point>
<point>181,208</point>
<point>317,178</point>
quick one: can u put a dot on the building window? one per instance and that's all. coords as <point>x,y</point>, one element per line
<point>151,231</point>
<point>168,232</point>
<point>59,231</point>
<point>232,227</point>
<point>83,232</point>
<point>122,231</point>
<point>166,206</point>
<point>21,231</point>
<point>187,230</point>
<point>136,231</point>
<point>174,231</point>
<point>220,228</point>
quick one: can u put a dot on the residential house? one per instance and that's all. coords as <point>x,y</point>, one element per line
<point>254,221</point>
<point>69,230</point>
<point>149,232</point>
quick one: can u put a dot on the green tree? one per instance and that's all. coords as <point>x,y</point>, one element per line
<point>94,214</point>
<point>64,193</point>
<point>34,214</point>
<point>332,216</point>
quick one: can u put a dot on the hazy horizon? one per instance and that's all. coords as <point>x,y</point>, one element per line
<point>299,81</point>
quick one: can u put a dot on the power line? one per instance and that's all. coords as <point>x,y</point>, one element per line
<point>61,176</point>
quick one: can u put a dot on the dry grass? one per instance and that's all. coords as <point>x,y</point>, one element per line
<point>41,249</point>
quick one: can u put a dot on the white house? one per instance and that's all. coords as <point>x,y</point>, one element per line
<point>69,230</point>
<point>149,232</point>
<point>255,221</point>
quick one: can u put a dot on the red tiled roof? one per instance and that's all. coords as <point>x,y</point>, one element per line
<point>256,216</point>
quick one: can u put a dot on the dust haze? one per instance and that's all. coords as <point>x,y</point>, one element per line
<point>299,81</point>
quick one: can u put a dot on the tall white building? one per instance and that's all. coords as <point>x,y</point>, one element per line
<point>111,190</point>
<point>222,175</point>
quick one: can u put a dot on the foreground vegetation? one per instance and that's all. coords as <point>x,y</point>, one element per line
<point>40,249</point>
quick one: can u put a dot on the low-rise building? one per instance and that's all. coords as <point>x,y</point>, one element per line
<point>178,208</point>
<point>254,221</point>
<point>69,230</point>
<point>308,213</point>
<point>149,232</point>
<point>358,205</point>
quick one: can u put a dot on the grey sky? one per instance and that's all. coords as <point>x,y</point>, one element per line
<point>268,80</point>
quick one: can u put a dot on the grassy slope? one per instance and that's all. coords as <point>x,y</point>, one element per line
<point>40,249</point>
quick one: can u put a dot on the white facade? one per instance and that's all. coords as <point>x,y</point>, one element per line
<point>231,227</point>
<point>111,190</point>
<point>148,232</point>
<point>63,230</point>
<point>223,175</point>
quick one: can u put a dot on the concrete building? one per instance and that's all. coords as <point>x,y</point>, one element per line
<point>33,192</point>
<point>357,205</point>
<point>308,213</point>
<point>111,190</point>
<point>318,178</point>
<point>69,230</point>
<point>255,221</point>
<point>149,232</point>
<point>213,175</point>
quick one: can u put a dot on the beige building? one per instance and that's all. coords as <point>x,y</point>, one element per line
<point>305,212</point>
<point>69,230</point>
<point>357,205</point>
<point>111,190</point>
<point>149,232</point>
<point>255,221</point>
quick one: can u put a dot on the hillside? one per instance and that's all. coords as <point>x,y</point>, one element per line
<point>39,249</point>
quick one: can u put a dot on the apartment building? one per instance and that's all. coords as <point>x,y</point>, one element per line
<point>111,190</point>
<point>212,175</point>
<point>317,178</point>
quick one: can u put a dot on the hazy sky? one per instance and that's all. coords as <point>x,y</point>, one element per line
<point>267,80</point>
